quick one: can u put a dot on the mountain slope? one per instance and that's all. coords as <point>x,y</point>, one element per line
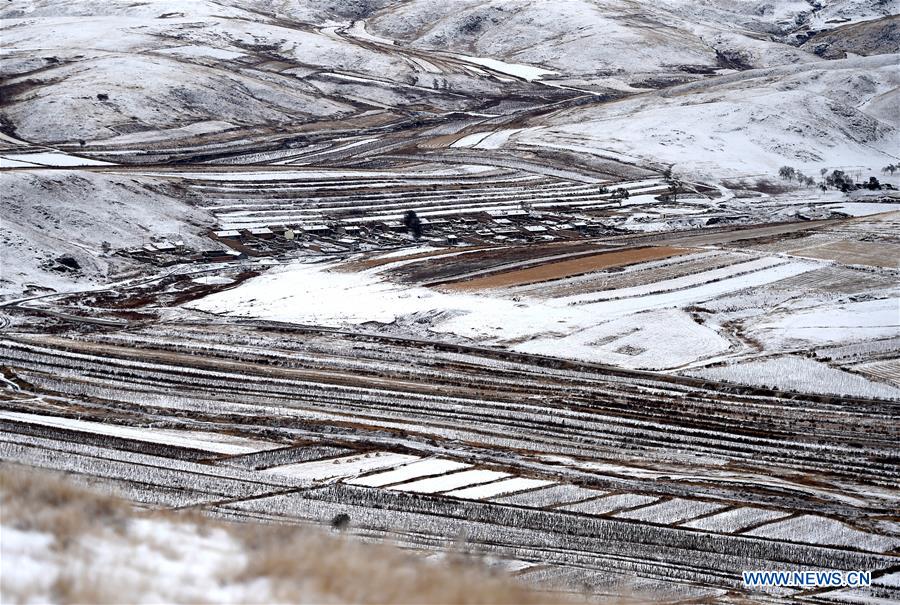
<point>828,114</point>
<point>48,215</point>
<point>98,70</point>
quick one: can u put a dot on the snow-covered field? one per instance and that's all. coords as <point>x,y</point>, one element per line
<point>671,511</point>
<point>834,323</point>
<point>211,442</point>
<point>668,314</point>
<point>407,472</point>
<point>798,374</point>
<point>610,503</point>
<point>735,520</point>
<point>46,158</point>
<point>451,481</point>
<point>820,530</point>
<point>347,466</point>
<point>499,488</point>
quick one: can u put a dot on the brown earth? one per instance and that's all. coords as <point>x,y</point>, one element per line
<point>441,269</point>
<point>567,268</point>
<point>850,252</point>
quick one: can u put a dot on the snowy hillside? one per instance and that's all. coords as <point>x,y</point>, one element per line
<point>823,115</point>
<point>94,71</point>
<point>46,216</point>
<point>617,37</point>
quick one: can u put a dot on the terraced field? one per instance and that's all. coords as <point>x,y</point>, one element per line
<point>421,443</point>
<point>639,274</point>
<point>247,199</point>
<point>550,315</point>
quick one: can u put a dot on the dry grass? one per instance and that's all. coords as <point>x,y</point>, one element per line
<point>848,251</point>
<point>301,560</point>
<point>268,563</point>
<point>46,502</point>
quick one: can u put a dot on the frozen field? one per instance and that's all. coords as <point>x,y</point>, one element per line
<point>702,312</point>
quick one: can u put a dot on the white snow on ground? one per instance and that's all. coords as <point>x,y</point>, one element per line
<point>650,340</point>
<point>156,556</point>
<point>525,72</point>
<point>550,496</point>
<point>470,140</point>
<point>5,162</point>
<point>275,175</point>
<point>794,373</point>
<point>450,482</point>
<point>407,252</point>
<point>300,175</point>
<point>486,140</point>
<point>407,472</point>
<point>735,519</point>
<point>641,327</point>
<point>352,144</point>
<point>358,30</point>
<point>514,322</point>
<point>347,466</point>
<point>28,552</point>
<point>199,50</point>
<point>671,511</point>
<point>306,293</point>
<point>863,208</point>
<point>212,280</point>
<point>609,503</point>
<point>499,488</point>
<point>170,134</point>
<point>891,579</point>
<point>822,530</point>
<point>48,158</point>
<point>219,443</point>
<point>426,65</point>
<point>694,289</point>
<point>497,139</point>
<point>843,322</point>
<point>818,115</point>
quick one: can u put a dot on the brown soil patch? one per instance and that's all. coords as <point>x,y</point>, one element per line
<point>446,269</point>
<point>873,254</point>
<point>567,268</point>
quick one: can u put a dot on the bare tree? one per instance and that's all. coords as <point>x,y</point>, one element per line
<point>413,223</point>
<point>675,186</point>
<point>840,180</point>
<point>787,173</point>
<point>674,183</point>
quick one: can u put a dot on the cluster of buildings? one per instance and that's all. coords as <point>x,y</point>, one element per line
<point>514,226</point>
<point>507,226</point>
